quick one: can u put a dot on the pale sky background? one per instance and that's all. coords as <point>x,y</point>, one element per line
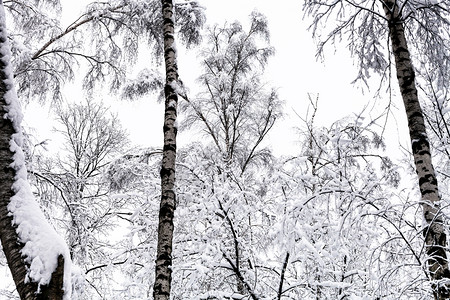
<point>294,70</point>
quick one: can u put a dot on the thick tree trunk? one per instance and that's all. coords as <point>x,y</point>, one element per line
<point>434,233</point>
<point>163,277</point>
<point>9,237</point>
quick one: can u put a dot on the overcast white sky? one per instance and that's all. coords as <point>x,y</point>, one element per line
<point>294,70</point>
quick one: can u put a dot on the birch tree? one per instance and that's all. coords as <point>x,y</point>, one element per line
<point>163,277</point>
<point>406,30</point>
<point>40,271</point>
<point>236,110</point>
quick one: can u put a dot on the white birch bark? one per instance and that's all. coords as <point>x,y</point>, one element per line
<point>434,232</point>
<point>162,286</point>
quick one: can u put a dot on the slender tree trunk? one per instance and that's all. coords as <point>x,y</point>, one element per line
<point>9,237</point>
<point>163,277</point>
<point>434,232</point>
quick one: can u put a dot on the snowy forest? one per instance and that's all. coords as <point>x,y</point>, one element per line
<point>356,207</point>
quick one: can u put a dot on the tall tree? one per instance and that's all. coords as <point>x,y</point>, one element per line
<point>163,274</point>
<point>412,29</point>
<point>434,232</point>
<point>40,271</point>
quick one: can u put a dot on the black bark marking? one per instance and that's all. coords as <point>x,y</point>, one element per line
<point>435,239</point>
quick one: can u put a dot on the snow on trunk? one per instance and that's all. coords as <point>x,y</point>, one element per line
<point>33,249</point>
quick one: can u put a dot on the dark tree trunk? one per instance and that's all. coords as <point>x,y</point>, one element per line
<point>9,237</point>
<point>163,277</point>
<point>434,232</point>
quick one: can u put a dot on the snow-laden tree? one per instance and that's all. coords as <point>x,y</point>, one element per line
<point>235,110</point>
<point>37,257</point>
<point>405,31</point>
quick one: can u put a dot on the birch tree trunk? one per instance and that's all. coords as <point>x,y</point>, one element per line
<point>434,232</point>
<point>163,277</point>
<point>8,234</point>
